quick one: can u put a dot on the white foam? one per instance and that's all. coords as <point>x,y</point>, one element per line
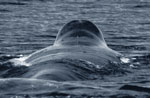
<point>20,61</point>
<point>125,60</point>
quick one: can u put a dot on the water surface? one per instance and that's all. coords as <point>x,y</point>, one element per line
<point>30,25</point>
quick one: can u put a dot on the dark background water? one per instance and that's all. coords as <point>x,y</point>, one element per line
<point>29,25</point>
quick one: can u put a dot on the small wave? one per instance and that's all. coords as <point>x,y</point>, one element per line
<point>4,10</point>
<point>37,87</point>
<point>12,3</point>
<point>143,59</point>
<point>20,61</point>
<point>9,69</point>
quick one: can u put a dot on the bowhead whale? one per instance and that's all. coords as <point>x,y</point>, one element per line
<point>77,40</point>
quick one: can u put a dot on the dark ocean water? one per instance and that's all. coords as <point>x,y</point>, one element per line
<point>30,25</point>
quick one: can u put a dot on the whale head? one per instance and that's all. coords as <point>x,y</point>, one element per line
<point>80,32</point>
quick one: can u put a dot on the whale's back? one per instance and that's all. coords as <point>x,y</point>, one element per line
<point>78,44</point>
<point>80,32</point>
<point>78,39</point>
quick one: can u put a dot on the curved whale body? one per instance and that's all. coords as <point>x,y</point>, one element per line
<point>77,40</point>
<point>80,32</point>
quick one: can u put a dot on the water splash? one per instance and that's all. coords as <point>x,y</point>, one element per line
<point>125,60</point>
<point>20,61</point>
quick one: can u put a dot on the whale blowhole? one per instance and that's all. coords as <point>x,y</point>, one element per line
<point>80,32</point>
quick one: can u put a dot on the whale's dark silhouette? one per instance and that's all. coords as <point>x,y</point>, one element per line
<point>80,32</point>
<point>78,40</point>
